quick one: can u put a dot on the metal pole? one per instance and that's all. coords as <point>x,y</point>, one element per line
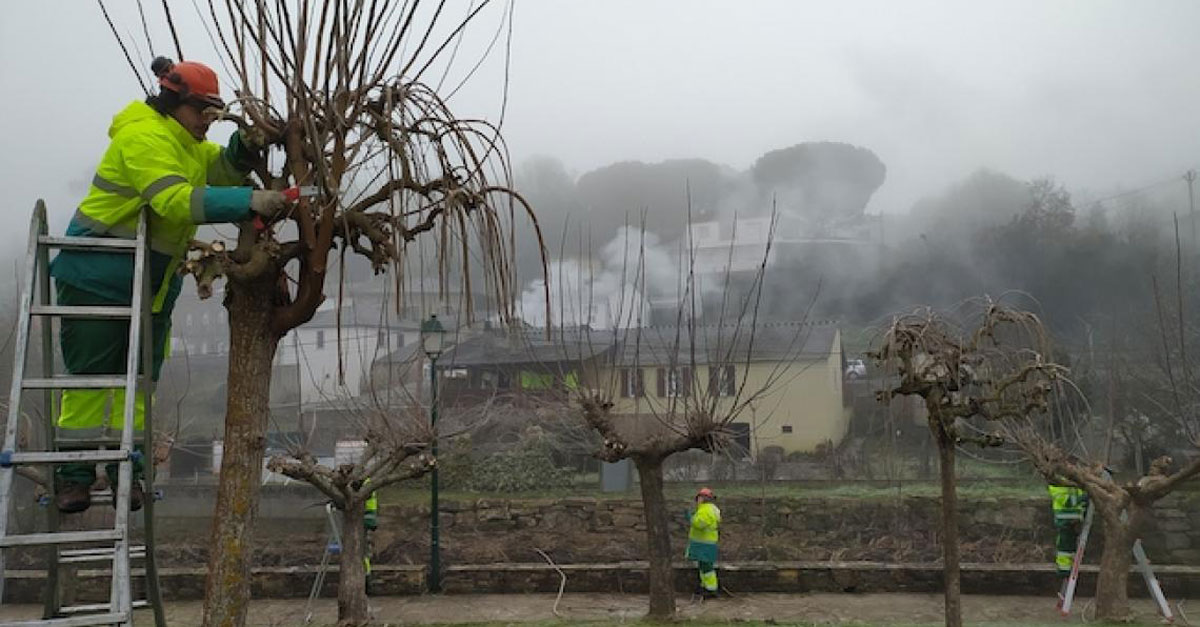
<point>1190,177</point>
<point>435,567</point>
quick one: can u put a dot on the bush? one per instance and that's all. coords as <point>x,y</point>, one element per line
<point>456,469</point>
<point>767,463</point>
<point>529,466</point>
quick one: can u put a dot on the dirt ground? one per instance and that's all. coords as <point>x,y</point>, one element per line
<point>856,609</point>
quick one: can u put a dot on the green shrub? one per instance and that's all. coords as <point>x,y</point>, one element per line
<point>529,466</point>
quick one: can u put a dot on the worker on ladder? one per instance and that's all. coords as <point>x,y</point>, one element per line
<point>370,524</point>
<point>1069,504</point>
<point>157,158</point>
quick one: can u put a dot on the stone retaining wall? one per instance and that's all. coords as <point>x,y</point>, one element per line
<point>903,529</point>
<point>1178,582</point>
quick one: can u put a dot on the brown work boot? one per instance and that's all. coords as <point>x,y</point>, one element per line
<point>73,497</point>
<point>137,497</point>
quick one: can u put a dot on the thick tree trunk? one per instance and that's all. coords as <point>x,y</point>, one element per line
<point>1112,598</point>
<point>352,574</point>
<point>251,350</point>
<point>661,574</point>
<point>945,446</point>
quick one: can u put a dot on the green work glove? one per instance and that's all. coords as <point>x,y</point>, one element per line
<point>253,139</point>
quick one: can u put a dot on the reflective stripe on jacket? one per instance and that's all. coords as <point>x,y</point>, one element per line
<point>152,161</point>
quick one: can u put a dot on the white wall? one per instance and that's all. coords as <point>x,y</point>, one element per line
<point>315,350</point>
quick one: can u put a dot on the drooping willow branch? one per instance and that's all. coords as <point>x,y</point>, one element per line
<point>352,105</point>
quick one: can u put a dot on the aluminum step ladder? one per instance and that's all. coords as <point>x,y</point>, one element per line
<point>109,544</point>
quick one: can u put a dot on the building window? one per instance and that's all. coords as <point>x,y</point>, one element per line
<point>320,340</point>
<point>633,383</point>
<point>381,339</point>
<point>674,382</point>
<point>787,428</point>
<point>721,380</point>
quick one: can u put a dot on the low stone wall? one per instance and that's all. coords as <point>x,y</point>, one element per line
<point>903,529</point>
<point>897,529</point>
<point>1178,582</point>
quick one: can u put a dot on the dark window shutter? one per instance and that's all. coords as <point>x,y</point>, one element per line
<point>685,381</point>
<point>662,382</point>
<point>714,381</point>
<point>639,383</point>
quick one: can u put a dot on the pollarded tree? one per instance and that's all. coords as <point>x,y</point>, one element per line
<point>341,87</point>
<point>397,449</point>
<point>975,370</point>
<point>709,374</point>
<point>1169,394</point>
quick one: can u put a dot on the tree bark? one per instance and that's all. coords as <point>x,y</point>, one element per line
<point>945,446</point>
<point>661,574</point>
<point>1112,598</point>
<point>251,351</point>
<point>352,574</point>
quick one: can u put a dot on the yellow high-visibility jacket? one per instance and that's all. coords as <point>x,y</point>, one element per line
<point>1069,503</point>
<point>153,161</point>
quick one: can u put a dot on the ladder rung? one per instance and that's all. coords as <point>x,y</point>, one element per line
<point>86,311</point>
<point>80,556</point>
<point>113,244</point>
<point>112,618</point>
<point>99,607</point>
<point>98,551</point>
<point>63,382</point>
<point>74,444</point>
<point>64,457</point>
<point>62,537</point>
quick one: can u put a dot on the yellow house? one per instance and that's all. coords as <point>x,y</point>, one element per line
<point>778,386</point>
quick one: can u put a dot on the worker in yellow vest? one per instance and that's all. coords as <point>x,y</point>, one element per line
<point>370,523</point>
<point>158,159</point>
<point>702,541</point>
<point>1069,504</point>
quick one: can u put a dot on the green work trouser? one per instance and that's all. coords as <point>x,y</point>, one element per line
<point>708,575</point>
<point>99,346</point>
<point>1065,544</point>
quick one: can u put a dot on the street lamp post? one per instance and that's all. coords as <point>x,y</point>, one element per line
<point>432,337</point>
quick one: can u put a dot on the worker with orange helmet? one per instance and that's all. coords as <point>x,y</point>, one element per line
<point>702,540</point>
<point>157,159</point>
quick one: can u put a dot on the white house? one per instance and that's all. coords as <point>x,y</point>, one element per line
<point>331,358</point>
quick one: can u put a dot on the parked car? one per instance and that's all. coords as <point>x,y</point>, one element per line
<point>855,368</point>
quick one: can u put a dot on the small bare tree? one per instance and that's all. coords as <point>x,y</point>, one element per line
<point>985,364</point>
<point>691,411</point>
<point>397,449</point>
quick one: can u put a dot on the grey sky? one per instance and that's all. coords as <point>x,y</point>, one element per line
<point>1102,95</point>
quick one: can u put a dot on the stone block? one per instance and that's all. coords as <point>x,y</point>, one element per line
<point>1174,524</point>
<point>626,521</point>
<point>492,514</point>
<point>1176,541</point>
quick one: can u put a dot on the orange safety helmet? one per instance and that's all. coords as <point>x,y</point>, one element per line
<point>706,493</point>
<point>189,79</point>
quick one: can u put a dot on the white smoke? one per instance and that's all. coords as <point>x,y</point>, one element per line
<point>632,273</point>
